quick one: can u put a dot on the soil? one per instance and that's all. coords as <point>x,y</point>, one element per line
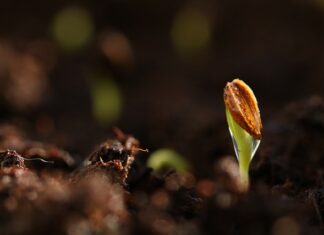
<point>113,192</point>
<point>63,172</point>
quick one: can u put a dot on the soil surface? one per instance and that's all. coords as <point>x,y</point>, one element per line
<point>64,169</point>
<point>43,190</point>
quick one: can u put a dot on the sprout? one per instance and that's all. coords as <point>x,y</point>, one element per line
<point>167,158</point>
<point>244,121</point>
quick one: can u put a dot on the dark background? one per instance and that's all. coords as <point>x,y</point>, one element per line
<point>167,61</point>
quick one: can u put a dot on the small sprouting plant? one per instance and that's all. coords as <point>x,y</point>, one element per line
<point>244,121</point>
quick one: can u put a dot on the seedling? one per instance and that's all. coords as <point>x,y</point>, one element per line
<point>244,121</point>
<point>167,158</point>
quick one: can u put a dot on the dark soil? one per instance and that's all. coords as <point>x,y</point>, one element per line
<point>64,172</point>
<point>113,192</point>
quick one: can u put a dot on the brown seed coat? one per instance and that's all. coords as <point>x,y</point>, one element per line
<point>240,101</point>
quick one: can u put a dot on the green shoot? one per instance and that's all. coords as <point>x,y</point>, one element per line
<point>244,121</point>
<point>245,147</point>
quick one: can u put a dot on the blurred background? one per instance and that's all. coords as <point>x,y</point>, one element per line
<point>70,71</point>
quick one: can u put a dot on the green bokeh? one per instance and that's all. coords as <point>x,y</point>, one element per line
<point>106,100</point>
<point>191,32</point>
<point>72,28</point>
<point>167,158</point>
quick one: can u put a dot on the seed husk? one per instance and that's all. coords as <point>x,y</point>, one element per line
<point>241,103</point>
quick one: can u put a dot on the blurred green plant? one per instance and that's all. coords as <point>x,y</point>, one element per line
<point>190,32</point>
<point>165,158</point>
<point>106,99</point>
<point>72,28</point>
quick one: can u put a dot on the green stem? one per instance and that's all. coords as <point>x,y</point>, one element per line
<point>244,164</point>
<point>243,144</point>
